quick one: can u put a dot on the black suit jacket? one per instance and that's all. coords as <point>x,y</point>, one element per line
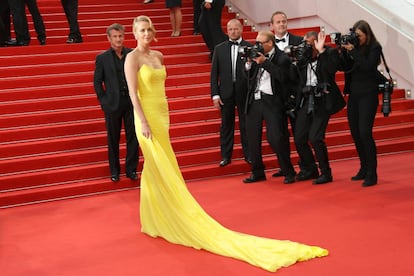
<point>106,82</point>
<point>327,66</point>
<point>278,67</point>
<point>294,39</point>
<point>221,79</point>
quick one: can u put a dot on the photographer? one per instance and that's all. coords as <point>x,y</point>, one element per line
<point>264,103</point>
<point>320,98</point>
<point>361,59</point>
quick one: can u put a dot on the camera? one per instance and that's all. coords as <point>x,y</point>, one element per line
<point>386,89</point>
<point>290,106</point>
<point>251,51</point>
<point>315,95</point>
<point>351,38</point>
<point>301,52</point>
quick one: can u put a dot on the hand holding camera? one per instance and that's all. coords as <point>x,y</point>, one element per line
<point>347,41</point>
<point>251,52</point>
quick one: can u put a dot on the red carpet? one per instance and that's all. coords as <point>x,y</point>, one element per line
<point>368,231</point>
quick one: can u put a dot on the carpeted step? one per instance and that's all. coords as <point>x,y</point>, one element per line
<point>89,66</point>
<point>80,56</point>
<point>91,113</point>
<point>85,77</point>
<point>82,101</point>
<point>78,89</point>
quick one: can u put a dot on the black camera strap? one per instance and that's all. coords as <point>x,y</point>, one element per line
<point>386,65</point>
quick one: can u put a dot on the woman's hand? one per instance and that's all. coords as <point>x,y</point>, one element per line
<point>145,129</point>
<point>348,46</point>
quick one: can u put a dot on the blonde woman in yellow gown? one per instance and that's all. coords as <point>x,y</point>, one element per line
<point>167,209</point>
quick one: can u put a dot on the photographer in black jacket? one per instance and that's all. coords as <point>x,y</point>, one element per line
<point>319,99</point>
<point>361,59</point>
<point>269,74</point>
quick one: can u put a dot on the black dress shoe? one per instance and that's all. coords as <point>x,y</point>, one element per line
<point>22,43</point>
<point>72,40</point>
<point>148,1</point>
<point>11,42</point>
<point>370,180</point>
<point>225,162</point>
<point>42,41</point>
<point>279,173</point>
<point>289,179</point>
<point>324,178</point>
<point>359,176</point>
<point>132,176</point>
<point>368,183</point>
<point>307,174</point>
<point>254,178</point>
<point>115,178</point>
<point>248,161</point>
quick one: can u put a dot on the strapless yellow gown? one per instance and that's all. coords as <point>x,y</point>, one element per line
<point>167,208</point>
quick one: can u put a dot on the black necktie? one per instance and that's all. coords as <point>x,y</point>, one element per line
<point>280,40</point>
<point>234,42</point>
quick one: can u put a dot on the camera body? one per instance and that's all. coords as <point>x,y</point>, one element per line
<point>299,53</point>
<point>386,89</point>
<point>315,95</point>
<point>251,51</point>
<point>349,38</point>
<point>290,106</point>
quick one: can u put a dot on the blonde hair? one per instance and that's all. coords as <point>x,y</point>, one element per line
<point>269,36</point>
<point>143,18</point>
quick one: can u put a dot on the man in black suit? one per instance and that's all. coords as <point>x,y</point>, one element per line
<point>21,28</point>
<point>279,25</point>
<point>196,16</point>
<point>112,91</point>
<point>4,23</point>
<point>269,73</point>
<point>229,89</point>
<point>283,39</point>
<point>320,98</point>
<point>37,20</point>
<point>210,23</point>
<point>71,11</point>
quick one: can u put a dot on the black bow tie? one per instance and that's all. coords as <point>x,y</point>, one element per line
<point>234,42</point>
<point>280,40</point>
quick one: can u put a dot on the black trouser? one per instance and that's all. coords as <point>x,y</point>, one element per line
<point>269,109</point>
<point>210,26</point>
<point>71,10</point>
<point>361,114</point>
<point>311,128</point>
<point>21,28</point>
<point>4,22</point>
<point>197,13</point>
<point>228,116</point>
<point>37,18</point>
<point>113,126</point>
